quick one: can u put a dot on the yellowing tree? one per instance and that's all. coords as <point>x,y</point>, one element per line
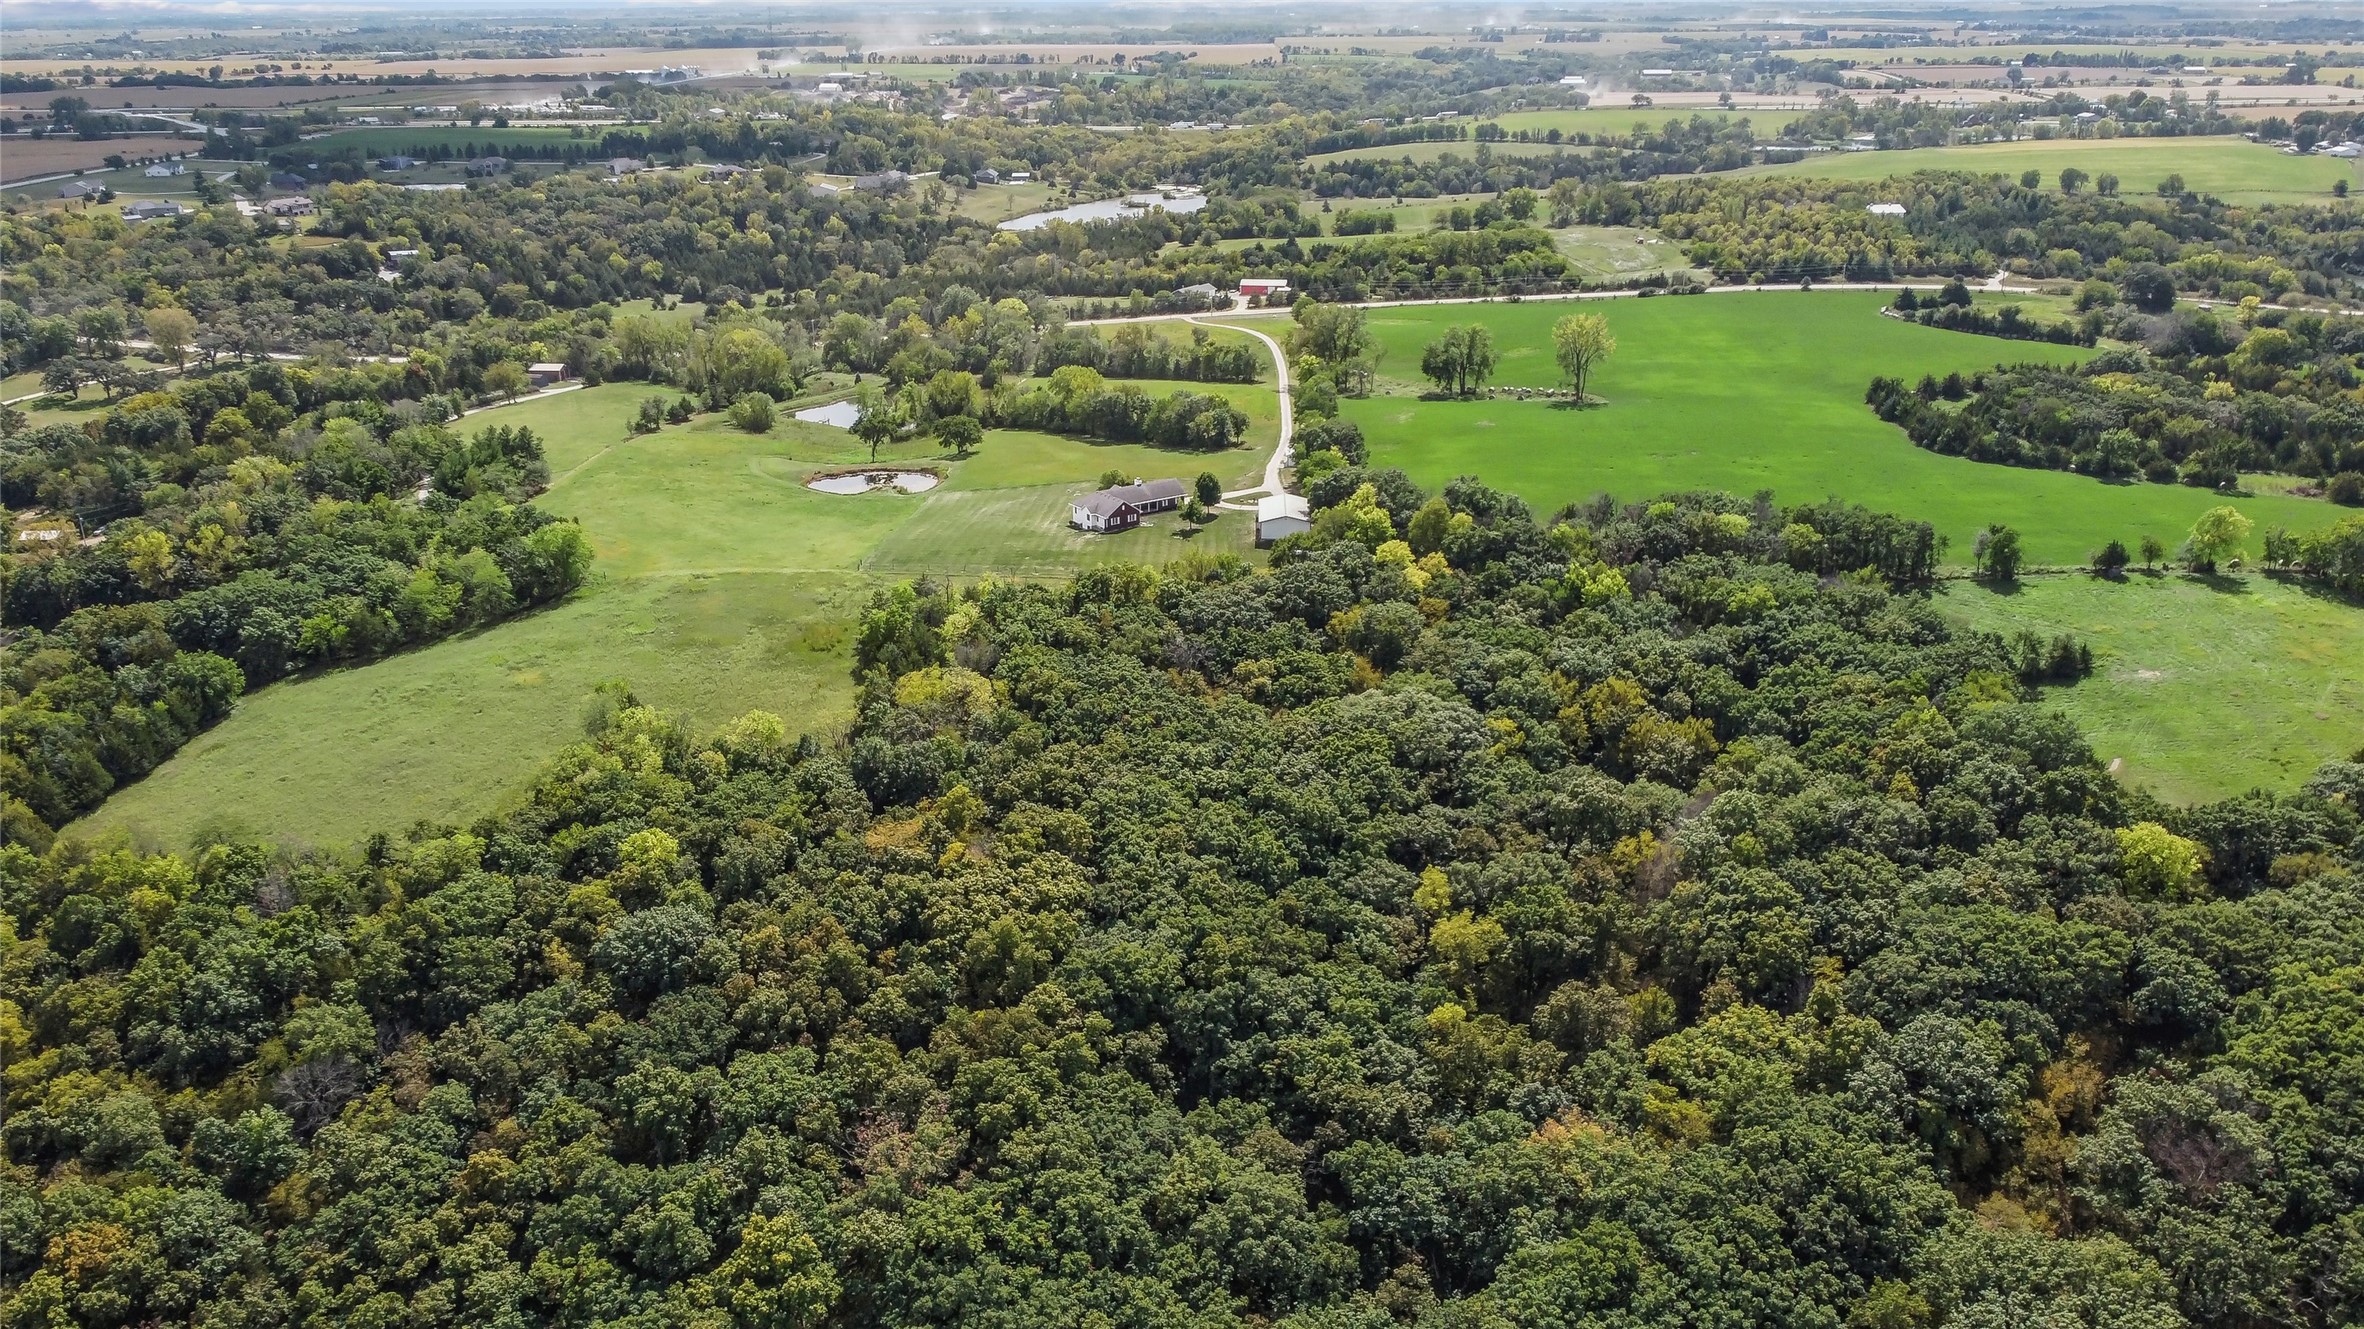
<point>2156,863</point>
<point>1581,342</point>
<point>172,330</point>
<point>2217,537</point>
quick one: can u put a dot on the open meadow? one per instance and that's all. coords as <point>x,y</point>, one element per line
<point>2230,168</point>
<point>2205,687</point>
<point>722,585</point>
<point>1754,390</point>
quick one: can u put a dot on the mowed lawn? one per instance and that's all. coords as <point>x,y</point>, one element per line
<point>2205,688</point>
<point>1755,390</point>
<point>2230,168</point>
<point>722,585</point>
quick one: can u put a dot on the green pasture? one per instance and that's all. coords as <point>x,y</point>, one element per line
<point>1753,390</point>
<point>2205,687</point>
<point>722,585</point>
<point>2230,168</point>
<point>993,204</point>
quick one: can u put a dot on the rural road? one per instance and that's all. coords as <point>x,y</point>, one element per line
<point>1288,420</point>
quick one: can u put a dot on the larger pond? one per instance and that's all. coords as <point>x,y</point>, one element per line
<point>862,482</point>
<point>1108,209</point>
<point>841,414</point>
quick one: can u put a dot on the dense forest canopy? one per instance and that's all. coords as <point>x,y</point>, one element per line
<point>1474,921</point>
<point>1651,917</point>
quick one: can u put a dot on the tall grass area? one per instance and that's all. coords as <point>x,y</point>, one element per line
<point>1756,390</point>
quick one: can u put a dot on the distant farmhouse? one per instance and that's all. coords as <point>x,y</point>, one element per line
<point>1122,508</point>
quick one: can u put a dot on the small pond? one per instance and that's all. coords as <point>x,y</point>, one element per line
<point>1108,209</point>
<point>841,414</point>
<point>862,482</point>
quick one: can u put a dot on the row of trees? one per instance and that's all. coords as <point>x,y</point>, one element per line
<point>1462,359</point>
<point>252,523</point>
<point>2209,409</point>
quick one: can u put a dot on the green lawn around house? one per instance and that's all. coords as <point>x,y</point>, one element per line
<point>1745,391</point>
<point>2204,687</point>
<point>2230,168</point>
<point>722,585</point>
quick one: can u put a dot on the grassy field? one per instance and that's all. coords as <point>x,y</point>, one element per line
<point>722,585</point>
<point>1606,253</point>
<point>2206,687</point>
<point>1411,214</point>
<point>2230,168</point>
<point>998,203</point>
<point>1749,391</point>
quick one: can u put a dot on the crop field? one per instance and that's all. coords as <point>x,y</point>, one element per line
<point>2230,168</point>
<point>1747,391</point>
<point>722,585</point>
<point>2205,688</point>
<point>24,158</point>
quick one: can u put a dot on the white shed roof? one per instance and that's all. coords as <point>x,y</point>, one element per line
<point>1272,507</point>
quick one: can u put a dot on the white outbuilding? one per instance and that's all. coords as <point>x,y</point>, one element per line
<point>1279,516</point>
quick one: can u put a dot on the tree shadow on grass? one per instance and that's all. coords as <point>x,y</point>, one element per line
<point>2219,582</point>
<point>2315,589</point>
